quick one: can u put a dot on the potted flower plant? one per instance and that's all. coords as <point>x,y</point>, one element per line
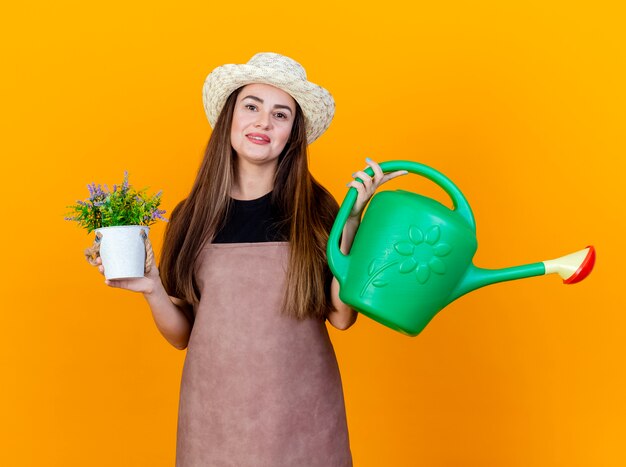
<point>120,219</point>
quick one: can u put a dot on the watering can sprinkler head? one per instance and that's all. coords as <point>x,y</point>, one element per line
<point>574,267</point>
<point>412,256</point>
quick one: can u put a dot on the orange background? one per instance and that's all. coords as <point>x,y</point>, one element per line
<point>521,104</point>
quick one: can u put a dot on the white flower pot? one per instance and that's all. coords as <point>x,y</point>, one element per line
<point>123,251</point>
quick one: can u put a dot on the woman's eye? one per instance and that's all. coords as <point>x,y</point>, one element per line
<point>250,106</point>
<point>281,115</point>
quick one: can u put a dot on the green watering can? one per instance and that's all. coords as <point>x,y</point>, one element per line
<point>412,255</point>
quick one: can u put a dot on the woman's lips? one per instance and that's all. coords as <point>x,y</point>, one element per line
<point>258,138</point>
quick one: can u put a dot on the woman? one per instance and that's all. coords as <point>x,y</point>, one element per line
<point>243,282</point>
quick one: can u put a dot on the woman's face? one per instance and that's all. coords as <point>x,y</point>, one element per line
<point>262,123</point>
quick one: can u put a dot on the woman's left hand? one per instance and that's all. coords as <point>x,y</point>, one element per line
<point>369,186</point>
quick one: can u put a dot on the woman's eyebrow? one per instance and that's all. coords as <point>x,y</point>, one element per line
<point>276,106</point>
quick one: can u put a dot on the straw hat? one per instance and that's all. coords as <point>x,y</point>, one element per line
<point>283,72</point>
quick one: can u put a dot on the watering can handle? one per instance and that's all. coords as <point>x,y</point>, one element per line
<point>461,205</point>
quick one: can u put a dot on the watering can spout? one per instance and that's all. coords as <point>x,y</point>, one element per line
<point>572,268</point>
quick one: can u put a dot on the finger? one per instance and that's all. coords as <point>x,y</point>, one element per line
<point>93,252</point>
<point>91,257</point>
<point>139,284</point>
<point>101,269</point>
<point>149,255</point>
<point>367,180</point>
<point>391,175</point>
<point>359,187</point>
<point>120,284</point>
<point>378,172</point>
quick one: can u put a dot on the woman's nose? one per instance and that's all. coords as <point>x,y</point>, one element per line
<point>263,120</point>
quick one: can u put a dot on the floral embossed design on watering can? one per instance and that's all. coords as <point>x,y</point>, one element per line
<point>412,255</point>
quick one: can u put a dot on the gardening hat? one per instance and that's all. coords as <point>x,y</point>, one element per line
<point>317,104</point>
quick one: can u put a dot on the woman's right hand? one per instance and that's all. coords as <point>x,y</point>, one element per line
<point>146,284</point>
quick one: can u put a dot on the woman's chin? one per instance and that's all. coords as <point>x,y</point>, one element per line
<point>258,158</point>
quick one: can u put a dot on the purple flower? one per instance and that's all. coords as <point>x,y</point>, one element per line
<point>95,192</point>
<point>157,215</point>
<point>125,185</point>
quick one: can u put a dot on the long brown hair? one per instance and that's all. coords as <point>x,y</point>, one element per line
<point>308,210</point>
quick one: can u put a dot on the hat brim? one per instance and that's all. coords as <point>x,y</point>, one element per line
<point>317,104</point>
